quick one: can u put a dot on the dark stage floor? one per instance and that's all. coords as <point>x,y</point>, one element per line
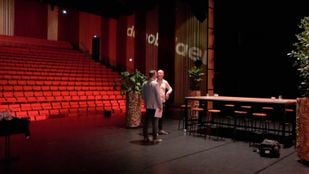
<point>94,145</point>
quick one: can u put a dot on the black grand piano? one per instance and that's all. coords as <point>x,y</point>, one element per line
<point>15,126</point>
<point>10,125</point>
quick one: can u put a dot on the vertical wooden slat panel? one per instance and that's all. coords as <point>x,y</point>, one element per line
<point>191,45</point>
<point>52,29</point>
<point>210,48</point>
<point>7,17</point>
<point>130,44</point>
<point>152,39</point>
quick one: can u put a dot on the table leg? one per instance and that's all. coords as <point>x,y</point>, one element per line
<point>186,115</point>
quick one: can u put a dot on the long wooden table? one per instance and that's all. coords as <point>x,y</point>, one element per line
<point>281,103</point>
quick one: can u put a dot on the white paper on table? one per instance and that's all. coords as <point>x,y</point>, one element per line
<point>158,113</point>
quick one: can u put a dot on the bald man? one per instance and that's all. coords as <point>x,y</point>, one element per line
<point>165,91</point>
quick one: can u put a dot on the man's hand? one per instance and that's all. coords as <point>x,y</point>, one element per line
<point>167,95</point>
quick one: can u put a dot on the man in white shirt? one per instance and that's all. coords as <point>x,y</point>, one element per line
<point>165,91</point>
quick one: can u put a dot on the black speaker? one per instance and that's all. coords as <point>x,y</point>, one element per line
<point>96,49</point>
<point>270,148</point>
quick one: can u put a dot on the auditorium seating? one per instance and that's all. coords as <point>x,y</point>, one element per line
<point>40,79</point>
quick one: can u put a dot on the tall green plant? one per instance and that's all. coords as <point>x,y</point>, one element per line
<point>132,82</point>
<point>300,53</point>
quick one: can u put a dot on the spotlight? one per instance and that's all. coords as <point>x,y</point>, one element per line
<point>64,11</point>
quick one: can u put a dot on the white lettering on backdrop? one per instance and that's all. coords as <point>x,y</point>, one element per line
<point>181,49</point>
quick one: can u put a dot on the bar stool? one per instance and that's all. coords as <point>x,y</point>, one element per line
<point>290,126</point>
<point>259,120</point>
<point>272,120</point>
<point>228,109</point>
<point>259,126</point>
<point>228,112</point>
<point>245,107</point>
<point>193,118</point>
<point>289,122</point>
<point>194,121</point>
<point>241,121</point>
<point>182,117</point>
<point>214,120</point>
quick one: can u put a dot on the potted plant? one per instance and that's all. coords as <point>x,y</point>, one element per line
<point>300,53</point>
<point>196,75</point>
<point>131,86</point>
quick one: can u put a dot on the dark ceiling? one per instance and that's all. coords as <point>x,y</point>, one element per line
<point>116,8</point>
<point>106,8</point>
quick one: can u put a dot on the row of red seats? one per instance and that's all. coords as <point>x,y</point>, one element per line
<point>16,53</point>
<point>80,67</point>
<point>41,49</point>
<point>58,93</point>
<point>12,88</point>
<point>44,71</point>
<point>39,111</point>
<point>48,52</point>
<point>17,41</point>
<point>76,61</point>
<point>95,94</point>
<point>46,59</point>
<point>30,51</point>
<point>55,76</point>
<point>51,50</point>
<point>31,99</point>
<point>53,66</point>
<point>58,72</point>
<point>23,45</point>
<point>40,52</point>
<point>43,77</point>
<point>59,105</point>
<point>34,83</point>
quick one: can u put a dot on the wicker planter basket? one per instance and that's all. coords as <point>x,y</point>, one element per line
<point>302,128</point>
<point>133,110</point>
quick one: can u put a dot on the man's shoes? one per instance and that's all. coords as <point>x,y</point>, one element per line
<point>154,141</point>
<point>157,140</point>
<point>146,140</point>
<point>163,132</point>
